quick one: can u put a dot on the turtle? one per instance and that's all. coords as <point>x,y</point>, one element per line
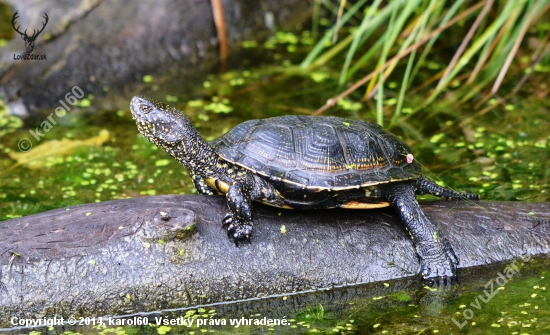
<point>305,162</point>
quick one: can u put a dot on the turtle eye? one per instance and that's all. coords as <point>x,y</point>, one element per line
<point>146,109</point>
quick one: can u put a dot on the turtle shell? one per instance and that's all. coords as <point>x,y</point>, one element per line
<point>318,152</point>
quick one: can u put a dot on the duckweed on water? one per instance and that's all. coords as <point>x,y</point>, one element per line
<point>348,105</point>
<point>319,77</point>
<point>90,175</point>
<point>507,160</point>
<point>171,98</point>
<point>516,309</point>
<point>249,44</point>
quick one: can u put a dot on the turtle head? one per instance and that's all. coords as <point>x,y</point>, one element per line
<point>172,131</point>
<point>161,124</point>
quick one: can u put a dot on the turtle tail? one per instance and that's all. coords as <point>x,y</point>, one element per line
<point>426,186</point>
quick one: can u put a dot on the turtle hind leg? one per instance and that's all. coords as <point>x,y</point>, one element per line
<point>437,258</point>
<point>426,186</point>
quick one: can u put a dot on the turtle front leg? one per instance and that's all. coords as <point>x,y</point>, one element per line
<point>437,258</point>
<point>239,219</point>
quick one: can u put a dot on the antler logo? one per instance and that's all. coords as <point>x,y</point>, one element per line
<point>29,40</point>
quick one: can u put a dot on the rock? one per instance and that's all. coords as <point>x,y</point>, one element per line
<point>98,44</point>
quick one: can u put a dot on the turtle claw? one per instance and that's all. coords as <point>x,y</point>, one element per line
<point>238,231</point>
<point>440,271</point>
<point>440,282</point>
<point>227,220</point>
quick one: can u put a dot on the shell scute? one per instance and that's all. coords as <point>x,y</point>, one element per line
<point>318,152</point>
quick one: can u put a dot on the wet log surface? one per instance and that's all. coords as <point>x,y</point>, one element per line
<point>152,253</point>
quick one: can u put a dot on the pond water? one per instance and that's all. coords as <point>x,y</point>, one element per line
<point>502,155</point>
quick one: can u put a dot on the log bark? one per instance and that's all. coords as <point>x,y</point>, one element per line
<point>153,253</point>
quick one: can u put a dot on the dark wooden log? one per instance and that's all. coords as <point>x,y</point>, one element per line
<point>153,253</point>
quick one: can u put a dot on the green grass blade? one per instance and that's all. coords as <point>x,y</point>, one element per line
<point>476,46</point>
<point>315,18</point>
<point>366,57</point>
<point>327,37</point>
<point>449,15</point>
<point>416,35</point>
<point>362,33</point>
<point>388,41</point>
